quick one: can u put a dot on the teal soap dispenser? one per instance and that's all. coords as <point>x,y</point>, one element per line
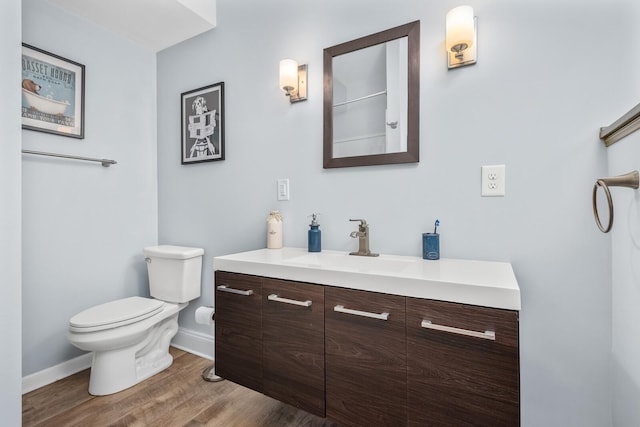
<point>315,241</point>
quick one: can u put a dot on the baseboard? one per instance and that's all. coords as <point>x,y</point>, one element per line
<point>187,340</point>
<point>194,342</point>
<point>55,373</point>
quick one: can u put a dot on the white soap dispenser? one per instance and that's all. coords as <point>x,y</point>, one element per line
<point>274,230</point>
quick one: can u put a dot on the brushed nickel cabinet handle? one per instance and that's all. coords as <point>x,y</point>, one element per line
<point>487,335</point>
<point>379,316</point>
<point>225,288</point>
<point>274,297</point>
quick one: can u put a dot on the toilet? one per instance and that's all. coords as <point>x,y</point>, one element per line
<point>130,337</point>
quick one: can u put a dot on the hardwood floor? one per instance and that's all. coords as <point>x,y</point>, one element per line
<point>176,396</point>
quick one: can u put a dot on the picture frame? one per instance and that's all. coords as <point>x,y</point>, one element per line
<point>203,114</point>
<point>52,93</point>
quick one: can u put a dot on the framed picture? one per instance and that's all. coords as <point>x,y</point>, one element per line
<point>203,124</point>
<point>52,93</point>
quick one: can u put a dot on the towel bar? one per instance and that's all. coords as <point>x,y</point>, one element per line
<point>105,162</point>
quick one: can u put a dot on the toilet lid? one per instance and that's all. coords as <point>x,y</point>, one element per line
<point>116,313</point>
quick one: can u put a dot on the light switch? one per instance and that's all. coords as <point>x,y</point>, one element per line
<point>283,189</point>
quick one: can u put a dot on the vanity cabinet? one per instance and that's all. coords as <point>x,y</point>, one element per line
<point>238,324</point>
<point>365,358</point>
<point>462,365</point>
<point>365,352</point>
<point>293,344</point>
<point>270,337</point>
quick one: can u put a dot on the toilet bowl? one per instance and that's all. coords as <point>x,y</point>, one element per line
<point>130,337</point>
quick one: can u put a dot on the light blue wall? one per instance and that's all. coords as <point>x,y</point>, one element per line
<point>10,256</point>
<point>548,76</point>
<point>624,157</point>
<point>84,226</point>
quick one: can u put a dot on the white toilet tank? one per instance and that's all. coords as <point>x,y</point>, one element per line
<point>174,272</point>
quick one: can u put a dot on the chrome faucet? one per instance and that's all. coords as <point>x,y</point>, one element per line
<point>363,239</point>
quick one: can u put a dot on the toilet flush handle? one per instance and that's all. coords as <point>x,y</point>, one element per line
<point>148,260</point>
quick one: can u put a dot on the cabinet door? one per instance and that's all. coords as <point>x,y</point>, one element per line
<point>238,324</point>
<point>365,358</point>
<point>458,373</point>
<point>293,343</point>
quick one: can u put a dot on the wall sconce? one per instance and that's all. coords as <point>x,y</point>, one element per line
<point>293,80</point>
<point>461,36</point>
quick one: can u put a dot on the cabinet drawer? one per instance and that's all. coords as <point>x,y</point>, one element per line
<point>365,358</point>
<point>238,324</point>
<point>462,364</point>
<point>293,343</point>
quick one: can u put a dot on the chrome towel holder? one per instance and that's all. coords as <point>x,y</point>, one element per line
<point>105,162</point>
<point>629,180</point>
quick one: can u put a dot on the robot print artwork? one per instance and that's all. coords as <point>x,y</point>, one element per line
<point>203,124</point>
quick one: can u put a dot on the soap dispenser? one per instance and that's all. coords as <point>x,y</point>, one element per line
<point>315,241</point>
<point>274,230</point>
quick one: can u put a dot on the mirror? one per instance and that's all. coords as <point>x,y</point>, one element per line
<point>372,99</point>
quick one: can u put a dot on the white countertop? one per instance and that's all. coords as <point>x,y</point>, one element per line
<point>484,283</point>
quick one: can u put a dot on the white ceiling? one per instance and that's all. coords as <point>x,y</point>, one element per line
<point>154,24</point>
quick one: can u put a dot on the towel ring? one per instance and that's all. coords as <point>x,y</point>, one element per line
<point>630,180</point>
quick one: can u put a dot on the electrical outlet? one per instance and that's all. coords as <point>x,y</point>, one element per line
<point>493,180</point>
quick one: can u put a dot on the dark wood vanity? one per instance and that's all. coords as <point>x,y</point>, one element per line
<point>365,358</point>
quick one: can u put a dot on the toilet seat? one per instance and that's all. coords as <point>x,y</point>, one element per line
<point>115,314</point>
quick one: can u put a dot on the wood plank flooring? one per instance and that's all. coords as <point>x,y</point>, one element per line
<point>177,396</point>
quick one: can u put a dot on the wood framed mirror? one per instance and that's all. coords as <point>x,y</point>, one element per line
<point>372,99</point>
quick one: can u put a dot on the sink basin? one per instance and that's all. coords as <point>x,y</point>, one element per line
<point>343,262</point>
<point>483,283</point>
